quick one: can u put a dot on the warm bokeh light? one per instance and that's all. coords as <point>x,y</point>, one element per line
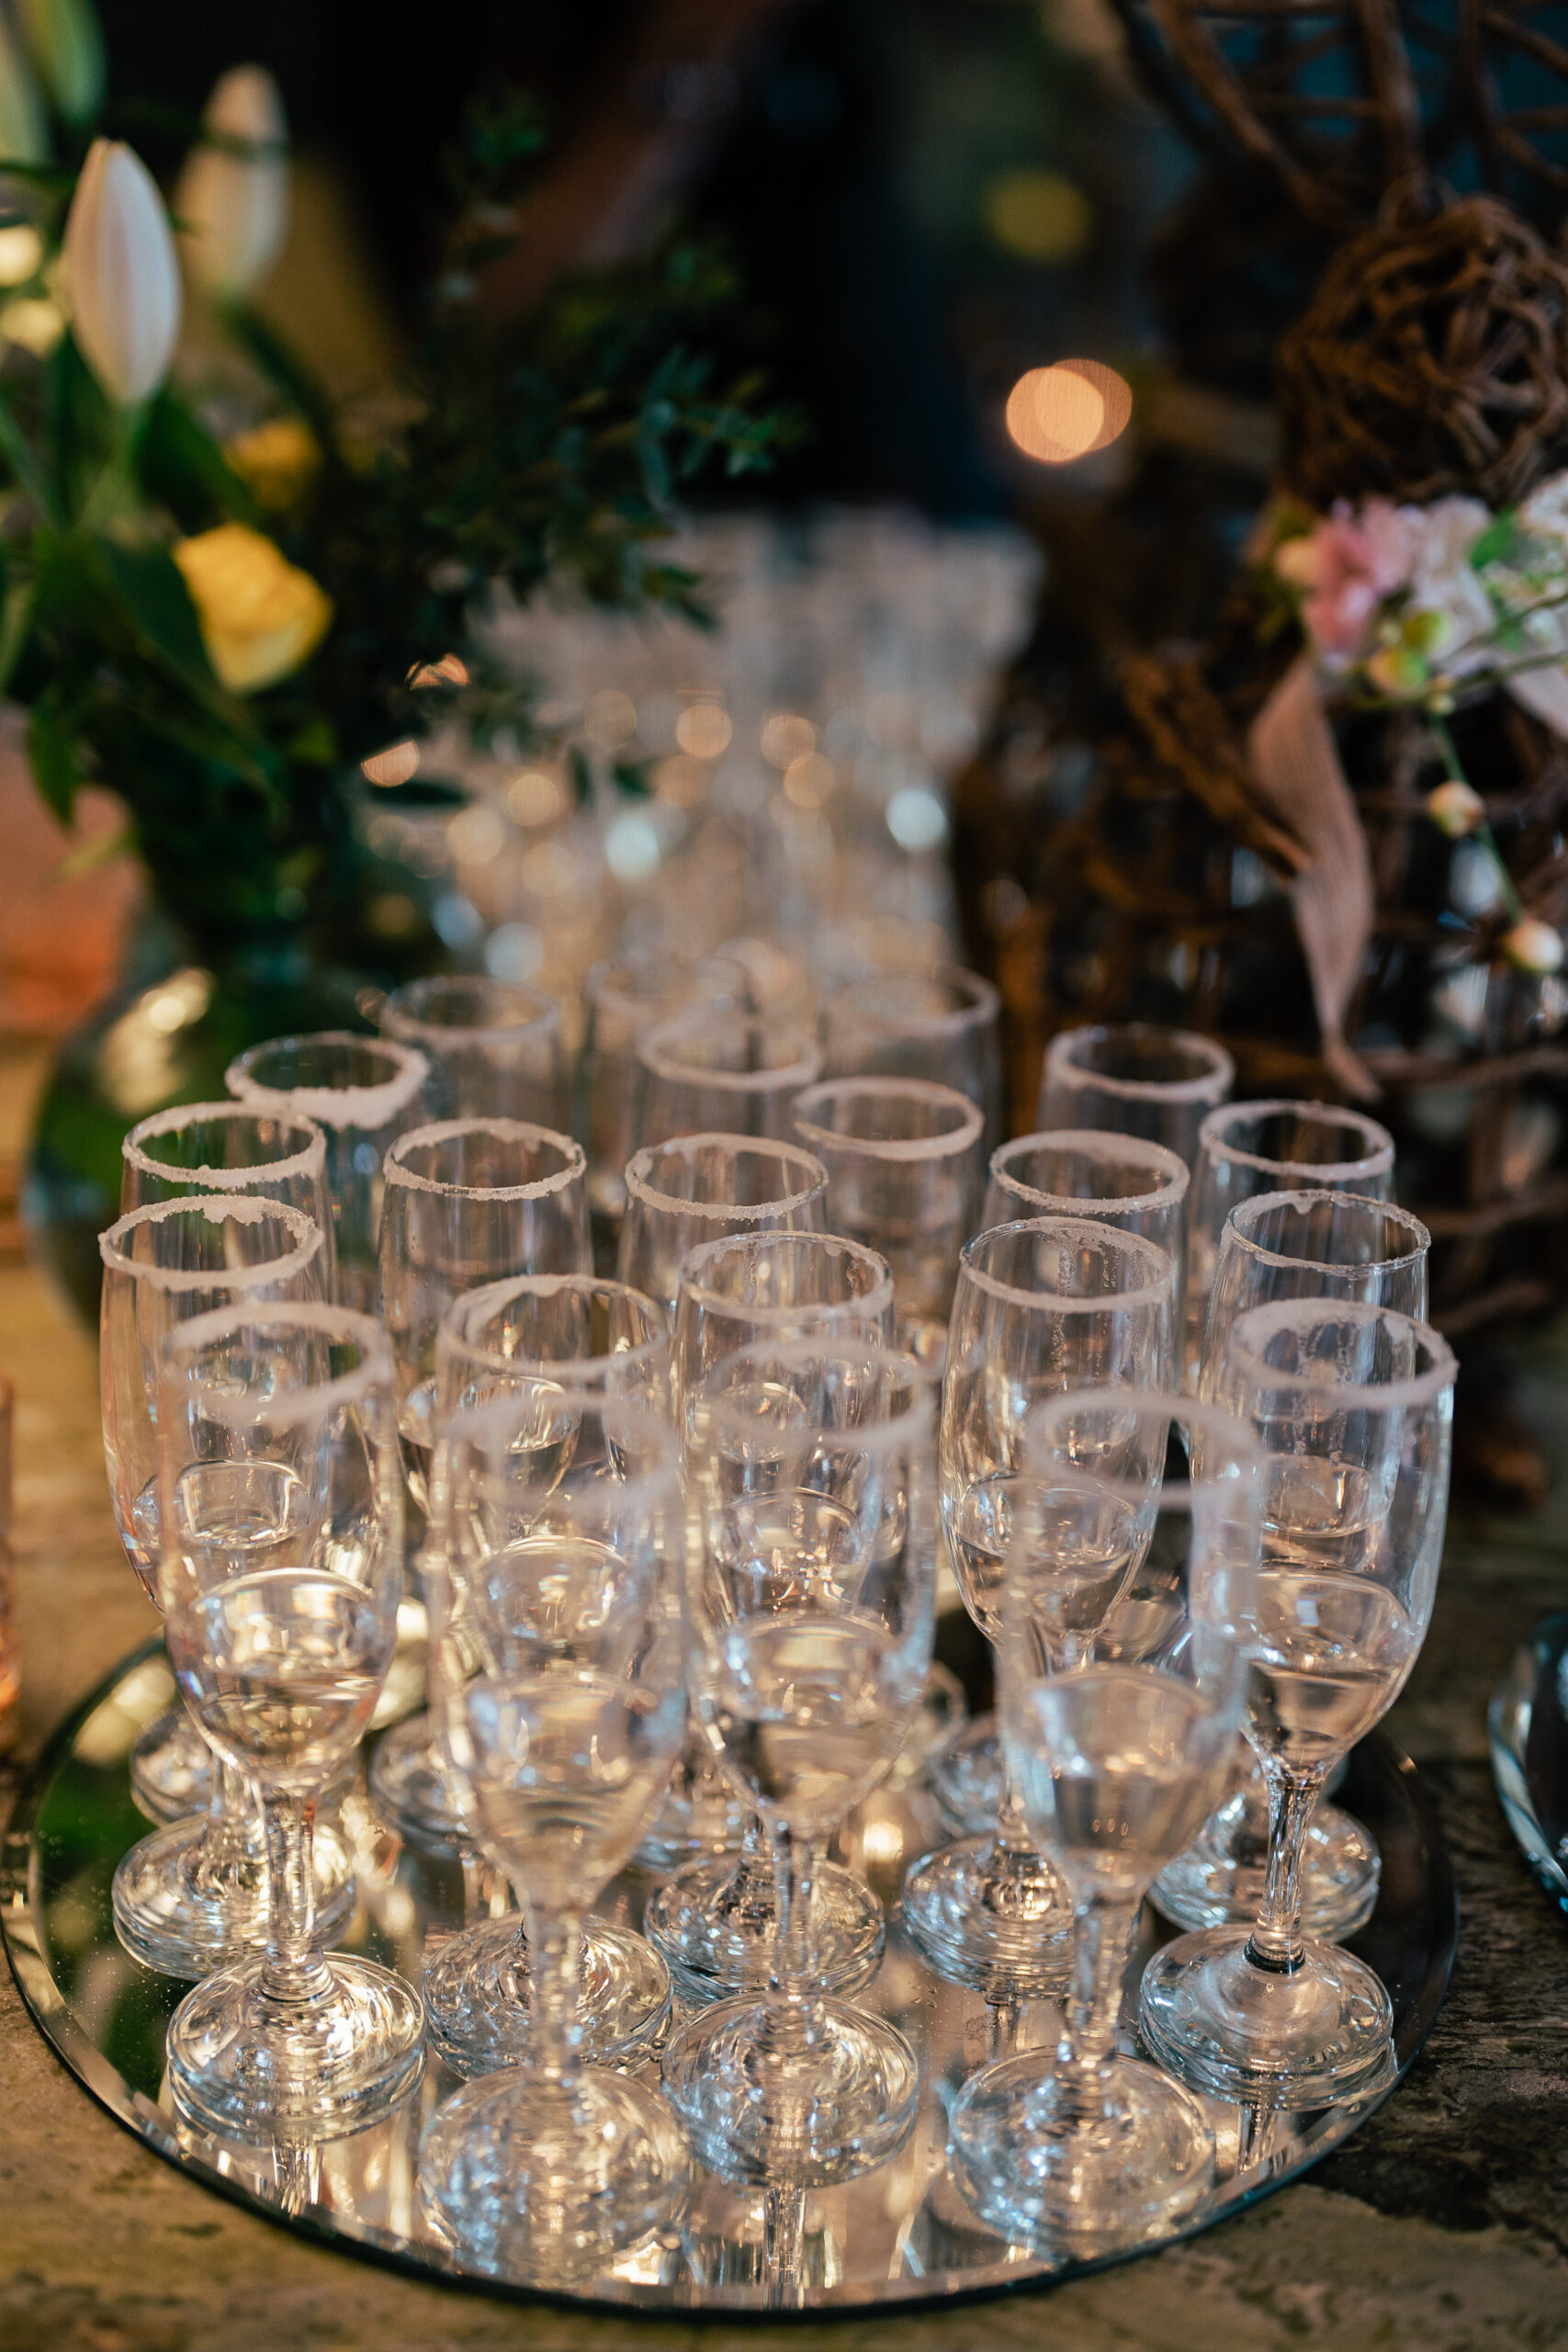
<point>395,766</point>
<point>1068,410</point>
<point>703,729</point>
<point>1039,216</point>
<point>786,737</point>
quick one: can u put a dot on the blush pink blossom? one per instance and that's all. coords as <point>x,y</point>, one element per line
<point>1345,567</point>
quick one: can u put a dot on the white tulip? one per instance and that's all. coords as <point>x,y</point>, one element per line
<point>68,49</point>
<point>120,273</point>
<point>24,137</point>
<point>234,208</point>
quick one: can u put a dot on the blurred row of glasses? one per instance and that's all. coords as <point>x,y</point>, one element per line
<point>1156,1392</point>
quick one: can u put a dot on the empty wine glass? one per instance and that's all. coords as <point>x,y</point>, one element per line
<point>494,1047</point>
<point>280,1569</point>
<point>465,1201</point>
<point>699,1188</point>
<point>1245,1148</point>
<point>1122,1675</point>
<point>809,1615</point>
<point>362,1091</point>
<point>1280,1246</point>
<point>715,1921</point>
<point>938,1025</point>
<point>1041,1306</point>
<point>625,999</point>
<point>534,1342</point>
<point>213,1148</point>
<point>193,1894</point>
<point>723,1073</point>
<point>1136,1079</point>
<point>570,1571</point>
<point>905,1176</point>
<point>1353,1408</point>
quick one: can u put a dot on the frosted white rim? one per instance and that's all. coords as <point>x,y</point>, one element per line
<point>368,1107</point>
<point>1157,1156</point>
<point>1248,1213</point>
<point>962,1136</point>
<point>479,1306</point>
<point>400,1017</point>
<point>895,1432</point>
<point>1377,1161</point>
<point>727,1212</point>
<point>311,1162</point>
<point>877,1299</point>
<point>1156,1287</point>
<point>1210,1085</point>
<point>1251,1332</point>
<point>218,1208</point>
<point>288,1408</point>
<point>984,1003</point>
<point>660,1053</point>
<point>574,1160</point>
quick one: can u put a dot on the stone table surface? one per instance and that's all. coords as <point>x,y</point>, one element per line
<point>1441,2227</point>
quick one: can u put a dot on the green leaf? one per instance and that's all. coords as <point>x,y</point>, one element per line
<point>52,748</point>
<point>1497,541</point>
<point>154,595</point>
<point>181,465</point>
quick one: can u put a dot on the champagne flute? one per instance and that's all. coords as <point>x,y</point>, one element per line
<point>625,999</point>
<point>536,1343</point>
<point>1136,1079</point>
<point>1044,1306</point>
<point>280,1569</point>
<point>493,1048</point>
<point>718,1072</point>
<point>362,1091</point>
<point>1353,1408</point>
<point>809,1616</point>
<point>699,1188</point>
<point>1119,1709</point>
<point>465,1201</point>
<point>940,1026</point>
<point>572,1582</point>
<point>193,1894</point>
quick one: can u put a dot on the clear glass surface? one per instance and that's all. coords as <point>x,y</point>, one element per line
<point>704,1187</point>
<point>569,1574</point>
<point>1123,1674</point>
<point>904,1177</point>
<point>223,1147</point>
<point>361,1093</point>
<point>625,1001</point>
<point>1042,1306</point>
<point>280,1572</point>
<point>723,1073</point>
<point>494,1047</point>
<point>809,1617</point>
<point>1245,1148</point>
<point>1136,1079</point>
<point>939,1026</point>
<point>1352,1406</point>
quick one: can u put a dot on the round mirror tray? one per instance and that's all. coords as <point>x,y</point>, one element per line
<point>1528,1727</point>
<point>900,2235</point>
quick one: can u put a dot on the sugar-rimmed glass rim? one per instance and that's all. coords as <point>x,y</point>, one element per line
<point>1221,1068</point>
<point>969,1120</point>
<point>877,1300</point>
<point>311,1161</point>
<point>1088,1231</point>
<point>573,1168</point>
<point>287,1410</point>
<point>400,1017</point>
<point>1159,1156</point>
<point>367,1107</point>
<point>725,1212</point>
<point>1253,1330</point>
<point>984,1001</point>
<point>1246,1211</point>
<point>232,1209</point>
<point>480,1304</point>
<point>1378,1162</point>
<point>658,1053</point>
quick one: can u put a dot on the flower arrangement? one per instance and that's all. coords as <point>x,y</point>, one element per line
<point>1424,607</point>
<point>228,626</point>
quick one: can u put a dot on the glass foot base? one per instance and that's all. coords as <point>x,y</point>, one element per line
<point>412,1792</point>
<point>251,2067</point>
<point>977,1915</point>
<point>193,1897</point>
<point>1040,2170</point>
<point>775,2092</point>
<point>476,1997</point>
<point>966,1780</point>
<point>715,1924</point>
<point>1218,1882</point>
<point>531,2181</point>
<point>1321,2037</point>
<point>170,1769</point>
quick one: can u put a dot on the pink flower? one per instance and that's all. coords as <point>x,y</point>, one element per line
<point>1345,567</point>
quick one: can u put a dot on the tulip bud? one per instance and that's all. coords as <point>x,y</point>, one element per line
<point>68,50</point>
<point>1455,808</point>
<point>235,208</point>
<point>24,137</point>
<point>120,273</point>
<point>1533,945</point>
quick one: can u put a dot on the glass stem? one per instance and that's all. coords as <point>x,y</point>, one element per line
<point>294,1970</point>
<point>1274,1943</point>
<point>555,2033</point>
<point>1102,1929</point>
<point>1013,1834</point>
<point>783,2230</point>
<point>798,1862</point>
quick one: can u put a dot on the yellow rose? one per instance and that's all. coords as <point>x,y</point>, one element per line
<point>260,616</point>
<point>278,459</point>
